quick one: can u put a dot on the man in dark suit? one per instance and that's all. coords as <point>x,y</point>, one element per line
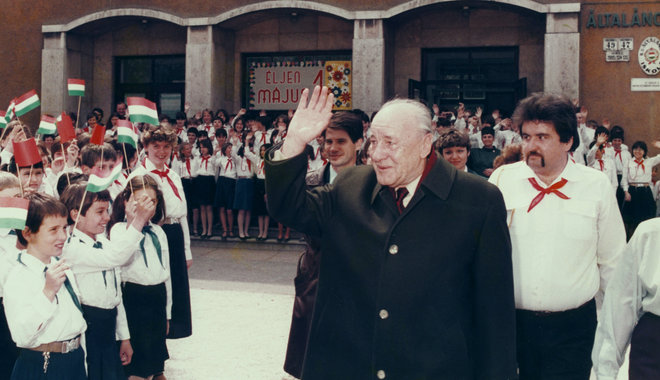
<point>412,286</point>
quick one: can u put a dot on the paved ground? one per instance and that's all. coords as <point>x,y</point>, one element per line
<point>242,295</point>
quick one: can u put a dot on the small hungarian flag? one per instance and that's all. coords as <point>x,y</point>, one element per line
<point>76,87</point>
<point>26,153</point>
<point>98,135</point>
<point>65,128</point>
<point>96,183</point>
<point>47,126</point>
<point>13,212</point>
<point>26,103</point>
<point>127,133</point>
<point>3,121</point>
<point>141,110</point>
<point>9,115</point>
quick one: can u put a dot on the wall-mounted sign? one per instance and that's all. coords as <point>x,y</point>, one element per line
<point>649,55</point>
<point>623,20</point>
<point>617,49</point>
<point>276,82</point>
<point>645,84</point>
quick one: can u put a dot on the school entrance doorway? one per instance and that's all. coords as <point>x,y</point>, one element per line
<point>485,77</point>
<point>161,79</point>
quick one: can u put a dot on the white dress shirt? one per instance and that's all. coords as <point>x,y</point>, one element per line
<point>564,250</point>
<point>258,164</point>
<point>186,168</point>
<point>606,165</point>
<point>97,270</point>
<point>32,318</point>
<point>620,158</point>
<point>205,166</point>
<point>226,166</point>
<point>148,269</point>
<point>175,206</point>
<point>8,255</point>
<point>632,292</point>
<point>639,172</point>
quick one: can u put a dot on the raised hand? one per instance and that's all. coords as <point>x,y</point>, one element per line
<point>309,121</point>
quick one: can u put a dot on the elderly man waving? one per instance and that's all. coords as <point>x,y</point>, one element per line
<point>415,280</point>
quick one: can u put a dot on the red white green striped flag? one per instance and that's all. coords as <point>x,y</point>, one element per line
<point>141,110</point>
<point>47,125</point>
<point>3,121</point>
<point>127,133</point>
<point>10,111</point>
<point>76,87</point>
<point>13,212</point>
<point>96,183</point>
<point>27,102</point>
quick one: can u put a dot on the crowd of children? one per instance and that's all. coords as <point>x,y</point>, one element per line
<point>108,270</point>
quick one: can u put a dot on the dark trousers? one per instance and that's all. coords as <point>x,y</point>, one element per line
<point>556,345</point>
<point>103,361</point>
<point>644,348</point>
<point>8,350</point>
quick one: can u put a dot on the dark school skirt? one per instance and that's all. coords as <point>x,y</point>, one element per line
<point>259,202</point>
<point>8,350</point>
<point>181,322</point>
<point>644,348</point>
<point>204,189</point>
<point>69,366</point>
<point>640,208</point>
<point>147,322</point>
<point>189,191</point>
<point>224,192</point>
<point>103,361</point>
<point>244,194</point>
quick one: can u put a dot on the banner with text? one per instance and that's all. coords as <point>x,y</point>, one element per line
<point>276,84</point>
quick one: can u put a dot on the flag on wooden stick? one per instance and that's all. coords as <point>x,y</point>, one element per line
<point>26,153</point>
<point>76,87</point>
<point>65,128</point>
<point>26,103</point>
<point>141,110</point>
<point>13,212</point>
<point>47,125</point>
<point>96,183</point>
<point>98,135</point>
<point>127,133</point>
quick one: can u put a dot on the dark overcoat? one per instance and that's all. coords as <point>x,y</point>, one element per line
<point>427,294</point>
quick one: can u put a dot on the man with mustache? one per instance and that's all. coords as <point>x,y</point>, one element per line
<point>567,235</point>
<point>415,277</point>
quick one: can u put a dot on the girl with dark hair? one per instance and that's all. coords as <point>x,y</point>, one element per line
<point>146,284</point>
<point>225,189</point>
<point>259,203</point>
<point>640,204</point>
<point>204,185</point>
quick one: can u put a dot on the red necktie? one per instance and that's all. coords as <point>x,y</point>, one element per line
<point>400,195</point>
<point>229,165</point>
<point>617,152</point>
<point>640,163</point>
<point>188,165</point>
<point>163,174</point>
<point>263,137</point>
<point>261,167</point>
<point>205,160</point>
<point>548,190</point>
<point>602,165</point>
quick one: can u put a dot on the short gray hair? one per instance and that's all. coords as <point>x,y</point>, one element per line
<point>419,111</point>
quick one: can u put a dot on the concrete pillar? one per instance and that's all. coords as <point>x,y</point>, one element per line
<point>200,54</point>
<point>369,84</point>
<point>53,73</point>
<point>562,54</point>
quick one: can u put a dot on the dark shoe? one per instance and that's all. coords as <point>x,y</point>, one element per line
<point>243,238</point>
<point>208,236</point>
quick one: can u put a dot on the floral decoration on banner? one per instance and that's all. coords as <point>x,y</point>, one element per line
<point>338,80</point>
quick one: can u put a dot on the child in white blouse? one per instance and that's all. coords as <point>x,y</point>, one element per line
<point>146,283</point>
<point>41,299</point>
